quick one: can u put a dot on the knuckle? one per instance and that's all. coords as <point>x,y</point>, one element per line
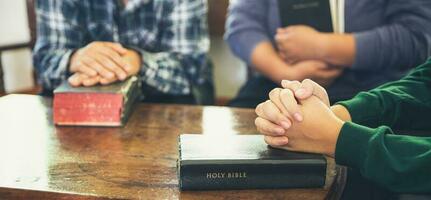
<point>293,83</point>
<point>266,105</point>
<point>279,118</point>
<point>267,140</point>
<point>274,93</point>
<point>271,141</point>
<point>122,62</point>
<point>128,68</point>
<point>86,83</point>
<point>256,122</point>
<point>265,129</point>
<point>106,63</point>
<point>259,124</point>
<point>93,45</point>
<point>85,59</point>
<point>258,130</point>
<point>307,80</point>
<point>91,62</point>
<point>117,70</point>
<point>104,81</point>
<point>258,108</point>
<point>276,142</point>
<point>112,79</point>
<point>286,93</point>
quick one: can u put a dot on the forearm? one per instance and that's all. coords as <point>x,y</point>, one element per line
<point>134,60</point>
<point>401,43</point>
<point>395,47</point>
<point>59,35</point>
<point>51,66</point>
<point>402,104</point>
<point>338,49</point>
<point>398,163</point>
<point>266,60</point>
<point>246,27</point>
<point>172,73</point>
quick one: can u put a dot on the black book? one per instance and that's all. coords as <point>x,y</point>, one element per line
<point>323,15</point>
<point>244,162</point>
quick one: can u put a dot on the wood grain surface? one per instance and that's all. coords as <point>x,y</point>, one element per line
<point>41,161</point>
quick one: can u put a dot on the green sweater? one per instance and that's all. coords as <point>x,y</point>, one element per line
<point>399,163</point>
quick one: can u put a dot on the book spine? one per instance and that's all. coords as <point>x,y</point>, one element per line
<point>130,98</point>
<point>251,176</point>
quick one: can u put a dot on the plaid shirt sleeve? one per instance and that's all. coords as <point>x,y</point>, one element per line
<point>58,37</point>
<point>185,45</point>
<point>179,62</point>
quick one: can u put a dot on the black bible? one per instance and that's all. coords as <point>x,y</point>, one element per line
<point>244,162</point>
<point>323,15</point>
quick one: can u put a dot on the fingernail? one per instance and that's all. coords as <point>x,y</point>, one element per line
<point>298,117</point>
<point>285,140</point>
<point>300,92</point>
<point>123,76</point>
<point>285,124</point>
<point>279,131</point>
<point>128,68</point>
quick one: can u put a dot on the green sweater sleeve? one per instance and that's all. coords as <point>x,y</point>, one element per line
<point>399,163</point>
<point>401,105</point>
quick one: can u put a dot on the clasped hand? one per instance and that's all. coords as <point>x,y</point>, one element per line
<point>299,43</point>
<point>297,117</point>
<point>304,48</point>
<point>102,63</point>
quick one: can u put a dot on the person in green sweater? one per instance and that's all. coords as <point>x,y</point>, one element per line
<point>358,132</point>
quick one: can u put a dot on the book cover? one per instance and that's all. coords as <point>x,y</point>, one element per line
<point>244,162</point>
<point>323,15</point>
<point>101,105</point>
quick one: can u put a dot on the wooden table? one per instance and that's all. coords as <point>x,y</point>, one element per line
<point>138,161</point>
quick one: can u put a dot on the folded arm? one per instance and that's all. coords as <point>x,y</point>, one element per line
<point>249,39</point>
<point>399,163</point>
<point>402,105</point>
<point>403,43</point>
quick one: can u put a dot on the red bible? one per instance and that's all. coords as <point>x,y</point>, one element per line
<point>108,105</point>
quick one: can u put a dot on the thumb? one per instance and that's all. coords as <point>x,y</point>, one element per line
<point>309,88</point>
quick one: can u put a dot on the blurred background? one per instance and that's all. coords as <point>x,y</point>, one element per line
<point>17,36</point>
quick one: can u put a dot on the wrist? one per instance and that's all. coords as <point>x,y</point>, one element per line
<point>334,132</point>
<point>278,70</point>
<point>341,112</point>
<point>135,60</point>
<point>337,49</point>
<point>323,46</point>
<point>72,62</point>
<point>267,61</point>
<point>285,72</point>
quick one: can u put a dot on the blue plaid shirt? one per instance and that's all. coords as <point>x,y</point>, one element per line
<point>171,36</point>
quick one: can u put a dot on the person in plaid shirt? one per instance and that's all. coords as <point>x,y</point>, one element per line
<point>165,42</point>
